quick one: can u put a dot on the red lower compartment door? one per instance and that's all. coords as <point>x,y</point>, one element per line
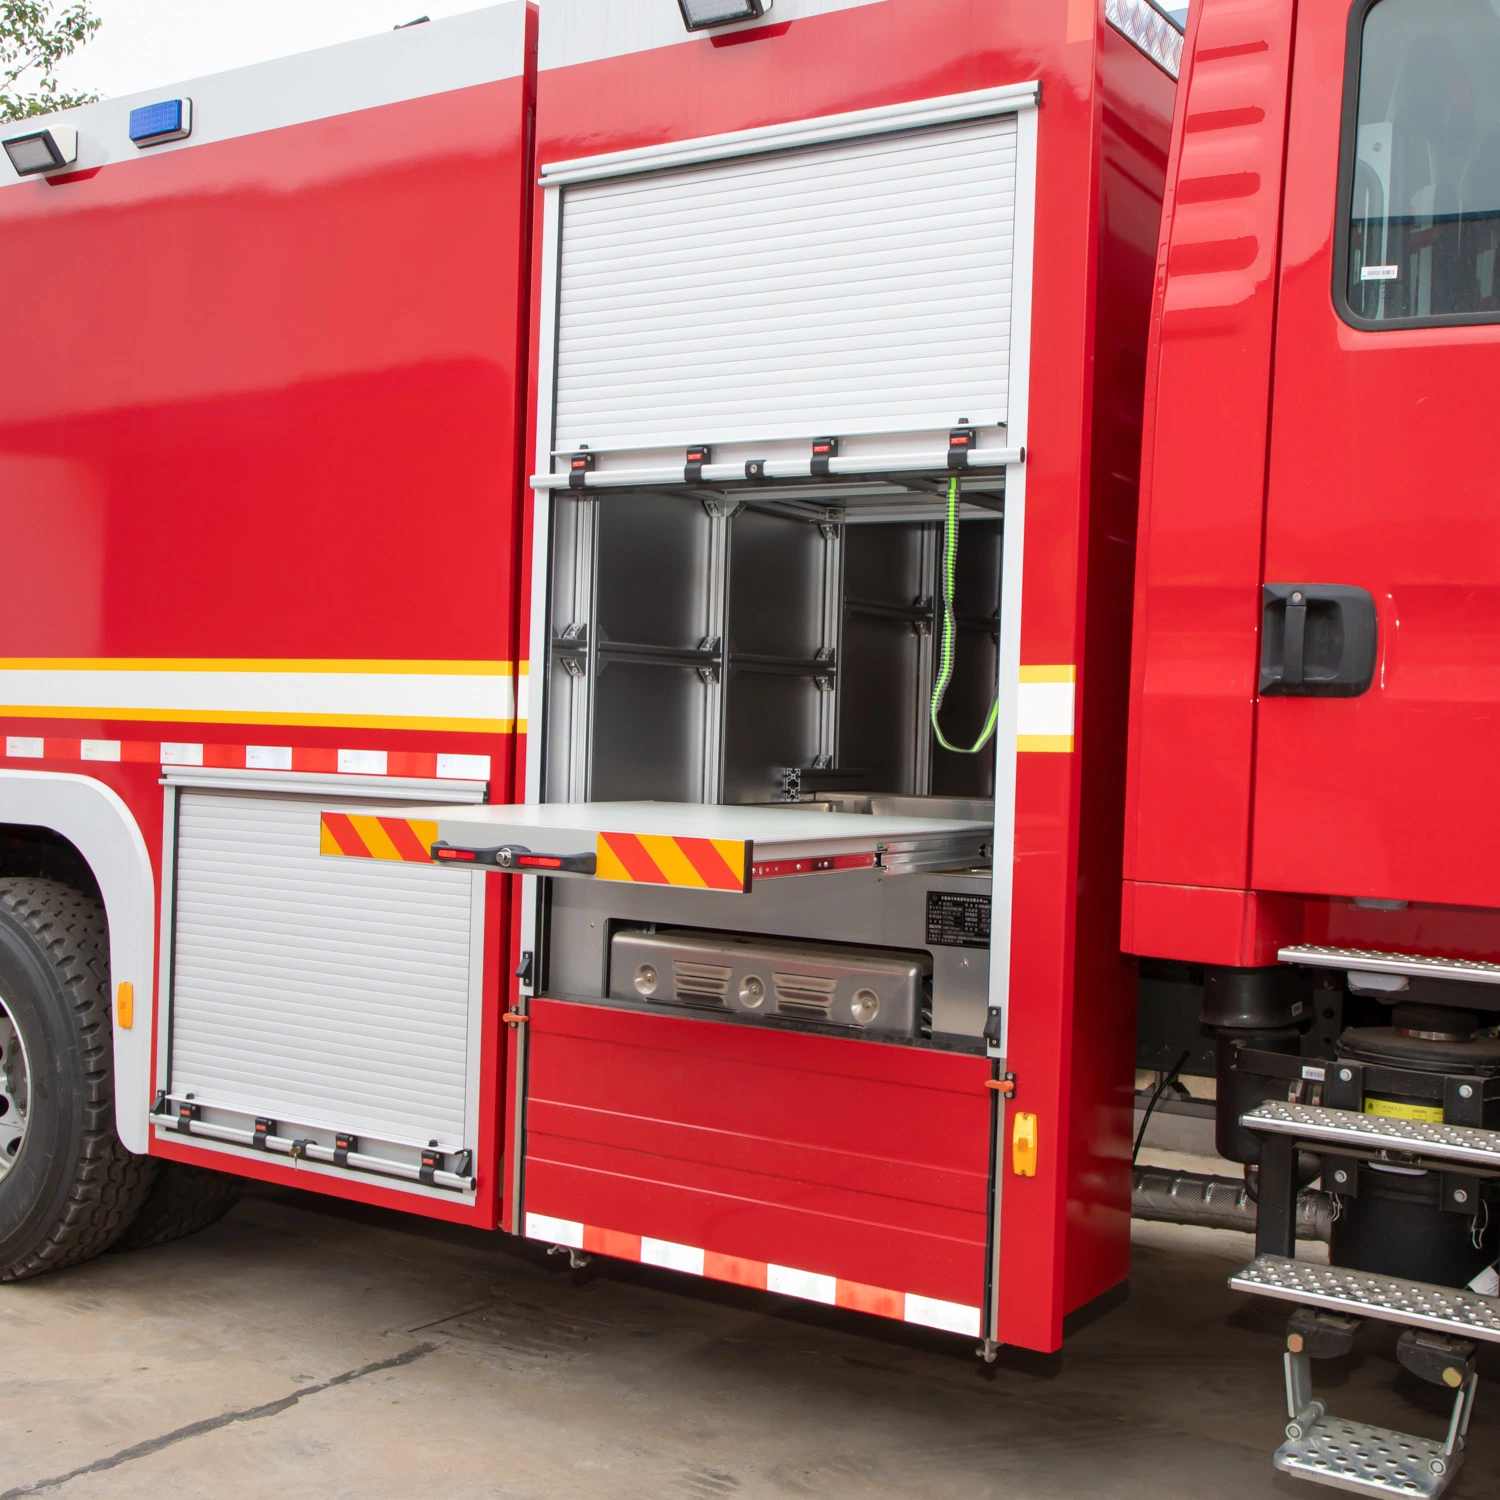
<point>848,1172</point>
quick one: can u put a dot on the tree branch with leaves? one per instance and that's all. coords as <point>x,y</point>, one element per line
<point>33,40</point>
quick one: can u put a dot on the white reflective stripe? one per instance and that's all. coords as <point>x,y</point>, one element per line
<point>99,750</point>
<point>483,46</point>
<point>181,755</point>
<point>805,1284</point>
<point>674,1257</point>
<point>480,700</point>
<point>580,31</point>
<point>557,1232</point>
<point>268,757</point>
<point>24,746</point>
<point>362,762</point>
<point>952,1317</point>
<point>554,1231</point>
<point>463,767</point>
<point>1046,708</point>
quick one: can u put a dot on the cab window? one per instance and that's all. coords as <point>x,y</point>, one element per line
<point>1421,169</point>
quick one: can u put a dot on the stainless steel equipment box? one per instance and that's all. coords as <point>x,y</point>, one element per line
<point>868,989</point>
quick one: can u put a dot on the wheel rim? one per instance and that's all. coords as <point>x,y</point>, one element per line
<point>15,1091</point>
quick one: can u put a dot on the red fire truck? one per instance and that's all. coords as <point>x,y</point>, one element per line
<point>599,605</point>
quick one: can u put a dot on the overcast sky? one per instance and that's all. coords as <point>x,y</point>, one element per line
<point>144,43</point>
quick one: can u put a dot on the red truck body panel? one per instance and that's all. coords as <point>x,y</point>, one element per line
<point>1103,132</point>
<point>267,423</point>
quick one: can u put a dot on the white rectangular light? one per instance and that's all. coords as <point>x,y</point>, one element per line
<point>42,150</point>
<point>700,15</point>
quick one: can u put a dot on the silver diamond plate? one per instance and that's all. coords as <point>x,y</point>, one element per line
<point>1147,29</point>
<point>1344,1127</point>
<point>1417,1304</point>
<point>1368,1460</point>
<point>1370,961</point>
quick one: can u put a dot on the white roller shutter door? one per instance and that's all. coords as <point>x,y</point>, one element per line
<point>845,289</point>
<point>328,993</point>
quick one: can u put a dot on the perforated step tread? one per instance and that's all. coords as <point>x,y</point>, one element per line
<point>1414,1304</point>
<point>1463,1143</point>
<point>1372,961</point>
<point>1367,1460</point>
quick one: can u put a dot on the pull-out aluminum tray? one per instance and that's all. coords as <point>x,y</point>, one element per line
<point>680,844</point>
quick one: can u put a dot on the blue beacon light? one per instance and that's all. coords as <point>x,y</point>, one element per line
<point>168,120</point>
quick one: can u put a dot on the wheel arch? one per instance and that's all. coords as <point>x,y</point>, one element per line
<point>97,823</point>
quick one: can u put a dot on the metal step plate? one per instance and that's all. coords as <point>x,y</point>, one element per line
<point>1344,1127</point>
<point>1367,1460</point>
<point>1416,1304</point>
<point>1371,961</point>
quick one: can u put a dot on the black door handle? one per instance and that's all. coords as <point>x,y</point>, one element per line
<point>1317,640</point>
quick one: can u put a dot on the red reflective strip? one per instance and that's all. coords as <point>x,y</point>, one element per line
<point>631,853</point>
<point>539,861</point>
<point>315,760</point>
<point>62,749</point>
<point>718,874</point>
<point>611,1242</point>
<point>226,757</point>
<point>411,763</point>
<point>733,1268</point>
<point>408,845</point>
<point>344,834</point>
<point>878,1300</point>
<point>455,854</point>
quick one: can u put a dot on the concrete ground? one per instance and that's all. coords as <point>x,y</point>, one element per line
<point>306,1348</point>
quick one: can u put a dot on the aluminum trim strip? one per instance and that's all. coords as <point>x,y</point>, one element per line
<point>310,784</point>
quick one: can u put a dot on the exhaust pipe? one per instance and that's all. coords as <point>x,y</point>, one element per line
<point>1218,1203</point>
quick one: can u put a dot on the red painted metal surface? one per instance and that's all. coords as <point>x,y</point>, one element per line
<point>1065,1235</point>
<point>1197,610</point>
<point>846,1159</point>
<point>1380,478</point>
<point>272,412</point>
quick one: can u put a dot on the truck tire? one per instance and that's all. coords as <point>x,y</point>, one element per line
<point>182,1200</point>
<point>69,1189</point>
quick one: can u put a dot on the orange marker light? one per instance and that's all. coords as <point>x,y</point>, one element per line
<point>1023,1145</point>
<point>125,1004</point>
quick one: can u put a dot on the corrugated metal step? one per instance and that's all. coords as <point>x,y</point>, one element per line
<point>1416,1304</point>
<point>1344,1127</point>
<point>1372,961</point>
<point>1369,1460</point>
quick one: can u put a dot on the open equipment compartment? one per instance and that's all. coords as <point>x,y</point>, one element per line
<point>780,358</point>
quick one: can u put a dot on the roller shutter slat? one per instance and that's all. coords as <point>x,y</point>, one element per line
<point>310,989</point>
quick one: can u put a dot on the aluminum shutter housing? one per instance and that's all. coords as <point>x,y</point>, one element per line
<point>861,286</point>
<point>314,993</point>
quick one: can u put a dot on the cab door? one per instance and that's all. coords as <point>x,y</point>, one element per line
<point>1378,739</point>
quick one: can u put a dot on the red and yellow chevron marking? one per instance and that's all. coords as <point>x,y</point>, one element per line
<point>657,859</point>
<point>360,836</point>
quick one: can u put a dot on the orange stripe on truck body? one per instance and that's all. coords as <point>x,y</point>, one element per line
<point>690,864</point>
<point>362,836</point>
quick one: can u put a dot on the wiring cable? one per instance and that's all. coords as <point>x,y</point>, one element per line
<point>950,625</point>
<point>1161,1089</point>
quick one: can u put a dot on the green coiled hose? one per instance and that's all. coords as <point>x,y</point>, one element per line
<point>945,653</point>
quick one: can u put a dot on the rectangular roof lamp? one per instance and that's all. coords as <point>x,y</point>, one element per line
<point>166,120</point>
<point>41,151</point>
<point>702,15</point>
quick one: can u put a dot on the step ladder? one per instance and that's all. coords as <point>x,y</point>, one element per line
<point>1442,1325</point>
